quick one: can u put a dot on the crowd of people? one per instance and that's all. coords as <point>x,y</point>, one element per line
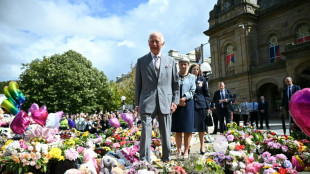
<point>181,100</point>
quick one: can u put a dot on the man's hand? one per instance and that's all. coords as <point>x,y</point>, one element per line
<point>182,101</point>
<point>225,100</point>
<point>173,107</point>
<point>137,109</point>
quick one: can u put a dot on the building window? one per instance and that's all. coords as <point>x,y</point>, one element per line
<point>274,51</point>
<point>230,58</point>
<point>303,33</point>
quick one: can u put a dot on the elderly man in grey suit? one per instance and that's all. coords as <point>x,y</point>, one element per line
<point>156,95</point>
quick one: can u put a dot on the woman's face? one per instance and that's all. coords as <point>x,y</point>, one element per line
<point>195,70</point>
<point>183,66</point>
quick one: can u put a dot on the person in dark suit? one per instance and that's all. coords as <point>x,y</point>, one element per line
<point>263,112</point>
<point>215,118</point>
<point>201,103</point>
<point>156,95</point>
<point>222,99</point>
<point>288,91</point>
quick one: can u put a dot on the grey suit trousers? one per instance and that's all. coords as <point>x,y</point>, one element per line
<point>164,121</point>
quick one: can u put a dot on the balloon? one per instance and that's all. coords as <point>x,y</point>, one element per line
<point>7,105</point>
<point>40,116</point>
<point>114,122</point>
<point>16,93</point>
<point>297,163</point>
<point>9,97</point>
<point>129,118</point>
<point>53,119</point>
<point>300,109</point>
<point>20,122</point>
<point>33,107</point>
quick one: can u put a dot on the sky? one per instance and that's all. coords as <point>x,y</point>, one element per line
<point>112,34</point>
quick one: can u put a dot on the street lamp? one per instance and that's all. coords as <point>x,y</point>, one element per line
<point>206,70</point>
<point>123,98</point>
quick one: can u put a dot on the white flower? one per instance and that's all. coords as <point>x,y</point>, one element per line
<point>242,165</point>
<point>248,141</point>
<point>30,148</point>
<point>144,171</point>
<point>234,165</point>
<point>32,163</point>
<point>38,147</point>
<point>232,146</point>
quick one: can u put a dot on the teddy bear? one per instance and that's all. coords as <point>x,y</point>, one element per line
<point>107,163</point>
<point>2,119</point>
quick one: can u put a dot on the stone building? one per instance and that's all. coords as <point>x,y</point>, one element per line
<point>255,44</point>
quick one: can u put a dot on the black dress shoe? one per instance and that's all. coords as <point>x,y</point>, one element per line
<point>201,152</point>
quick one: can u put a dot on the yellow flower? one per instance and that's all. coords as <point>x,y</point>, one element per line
<point>55,153</point>
<point>6,143</point>
<point>233,131</point>
<point>61,158</point>
<point>139,133</point>
<point>15,159</point>
<point>153,134</point>
<point>266,167</point>
<point>85,134</point>
<point>70,142</point>
<point>209,160</point>
<point>45,160</point>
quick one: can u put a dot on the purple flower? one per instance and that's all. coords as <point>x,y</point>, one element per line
<point>270,171</point>
<point>271,160</point>
<point>266,155</point>
<point>230,137</point>
<point>284,148</point>
<point>287,164</point>
<point>281,157</point>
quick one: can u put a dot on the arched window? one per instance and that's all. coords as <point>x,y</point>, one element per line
<point>274,51</point>
<point>230,58</point>
<point>303,33</point>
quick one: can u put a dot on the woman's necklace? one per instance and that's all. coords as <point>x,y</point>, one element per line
<point>182,78</point>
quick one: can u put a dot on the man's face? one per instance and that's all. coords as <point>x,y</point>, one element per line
<point>183,66</point>
<point>221,86</point>
<point>244,100</point>
<point>288,82</point>
<point>155,43</point>
<point>262,98</point>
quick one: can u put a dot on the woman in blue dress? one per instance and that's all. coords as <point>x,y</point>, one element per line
<point>183,117</point>
<point>201,102</point>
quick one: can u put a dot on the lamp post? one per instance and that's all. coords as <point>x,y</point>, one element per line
<point>123,98</point>
<point>206,70</point>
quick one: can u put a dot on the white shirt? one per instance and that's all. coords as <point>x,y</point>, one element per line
<point>154,58</point>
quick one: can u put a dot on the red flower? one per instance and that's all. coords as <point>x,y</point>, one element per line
<point>272,133</point>
<point>282,170</point>
<point>122,143</point>
<point>240,147</point>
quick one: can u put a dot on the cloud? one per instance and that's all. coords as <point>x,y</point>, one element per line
<point>110,38</point>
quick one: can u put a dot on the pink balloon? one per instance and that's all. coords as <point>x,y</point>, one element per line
<point>20,122</point>
<point>300,109</point>
<point>297,165</point>
<point>128,118</point>
<point>40,115</point>
<point>114,122</point>
<point>33,108</point>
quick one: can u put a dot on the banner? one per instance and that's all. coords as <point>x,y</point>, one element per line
<point>199,55</point>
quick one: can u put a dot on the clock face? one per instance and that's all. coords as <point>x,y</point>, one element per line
<point>220,144</point>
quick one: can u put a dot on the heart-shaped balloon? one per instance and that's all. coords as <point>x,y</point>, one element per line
<point>114,122</point>
<point>300,109</point>
<point>129,118</point>
<point>53,119</point>
<point>40,116</point>
<point>20,122</point>
<point>33,108</point>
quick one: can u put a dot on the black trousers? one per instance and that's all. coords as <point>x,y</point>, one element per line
<point>215,122</point>
<point>245,119</point>
<point>264,116</point>
<point>223,114</point>
<point>236,119</point>
<point>254,116</point>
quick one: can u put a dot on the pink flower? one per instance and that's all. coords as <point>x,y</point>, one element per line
<point>22,144</point>
<point>253,167</point>
<point>71,154</point>
<point>266,155</point>
<point>230,137</point>
<point>116,145</point>
<point>80,149</point>
<point>86,157</point>
<point>281,157</point>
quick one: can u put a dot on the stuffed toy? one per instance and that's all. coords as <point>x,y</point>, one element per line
<point>107,163</point>
<point>2,119</point>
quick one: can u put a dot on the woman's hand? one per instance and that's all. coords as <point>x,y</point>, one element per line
<point>182,101</point>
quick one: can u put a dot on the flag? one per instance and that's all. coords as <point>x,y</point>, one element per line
<point>230,59</point>
<point>303,39</point>
<point>274,54</point>
<point>198,55</point>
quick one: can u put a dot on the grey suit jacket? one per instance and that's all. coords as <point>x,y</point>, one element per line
<point>149,86</point>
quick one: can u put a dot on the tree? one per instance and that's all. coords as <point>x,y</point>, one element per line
<point>2,85</point>
<point>127,86</point>
<point>66,82</point>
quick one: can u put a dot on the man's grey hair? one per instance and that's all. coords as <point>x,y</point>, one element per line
<point>221,83</point>
<point>289,78</point>
<point>158,33</point>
